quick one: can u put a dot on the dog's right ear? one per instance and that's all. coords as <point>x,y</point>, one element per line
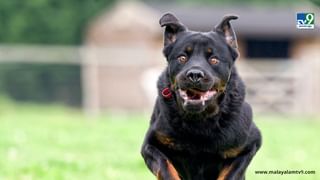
<point>225,28</point>
<point>173,27</point>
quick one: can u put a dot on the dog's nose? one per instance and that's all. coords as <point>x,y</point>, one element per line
<point>195,75</point>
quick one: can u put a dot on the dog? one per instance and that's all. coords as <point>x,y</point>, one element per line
<point>201,128</point>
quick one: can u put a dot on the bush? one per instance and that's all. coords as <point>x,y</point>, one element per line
<point>41,83</point>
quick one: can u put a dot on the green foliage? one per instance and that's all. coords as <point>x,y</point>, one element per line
<point>52,142</point>
<point>236,2</point>
<point>44,22</point>
<point>47,21</point>
<point>316,2</point>
<point>41,83</point>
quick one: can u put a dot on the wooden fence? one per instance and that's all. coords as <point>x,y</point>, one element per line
<point>273,86</point>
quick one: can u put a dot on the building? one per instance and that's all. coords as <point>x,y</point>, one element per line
<point>279,62</point>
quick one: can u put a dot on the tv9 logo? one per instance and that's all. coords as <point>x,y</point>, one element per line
<point>305,20</point>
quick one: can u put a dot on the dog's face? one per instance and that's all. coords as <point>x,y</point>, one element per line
<point>199,63</point>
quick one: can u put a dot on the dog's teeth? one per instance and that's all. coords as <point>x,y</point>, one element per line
<point>183,94</point>
<point>185,103</point>
<point>202,100</point>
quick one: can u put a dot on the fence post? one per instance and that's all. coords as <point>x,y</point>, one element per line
<point>90,82</point>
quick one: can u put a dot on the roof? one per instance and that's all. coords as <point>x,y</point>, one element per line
<point>125,21</point>
<point>253,21</point>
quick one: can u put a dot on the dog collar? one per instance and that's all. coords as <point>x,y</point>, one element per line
<point>166,93</point>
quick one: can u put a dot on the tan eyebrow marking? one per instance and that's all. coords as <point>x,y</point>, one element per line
<point>189,49</point>
<point>209,50</point>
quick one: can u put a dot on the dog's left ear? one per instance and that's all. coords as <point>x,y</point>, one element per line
<point>225,28</point>
<point>173,27</point>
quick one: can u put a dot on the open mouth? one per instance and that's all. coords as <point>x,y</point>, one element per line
<point>195,97</point>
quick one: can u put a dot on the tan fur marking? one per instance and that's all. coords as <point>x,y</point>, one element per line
<point>209,50</point>
<point>159,175</point>
<point>174,84</point>
<point>231,153</point>
<point>172,171</point>
<point>189,49</point>
<point>164,139</point>
<point>224,173</point>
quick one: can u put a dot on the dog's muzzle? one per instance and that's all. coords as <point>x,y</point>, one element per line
<point>196,89</point>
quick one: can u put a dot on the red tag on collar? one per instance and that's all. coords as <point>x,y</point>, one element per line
<point>166,93</point>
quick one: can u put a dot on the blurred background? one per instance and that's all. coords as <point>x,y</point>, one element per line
<point>78,83</point>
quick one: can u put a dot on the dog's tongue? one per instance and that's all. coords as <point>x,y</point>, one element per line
<point>192,94</point>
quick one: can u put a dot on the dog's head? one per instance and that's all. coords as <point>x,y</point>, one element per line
<point>199,63</point>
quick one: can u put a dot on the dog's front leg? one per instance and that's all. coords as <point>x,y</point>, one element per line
<point>158,163</point>
<point>234,168</point>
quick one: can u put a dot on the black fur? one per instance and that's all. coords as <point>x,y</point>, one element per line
<point>214,139</point>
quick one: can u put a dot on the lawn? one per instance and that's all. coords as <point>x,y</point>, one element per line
<point>54,142</point>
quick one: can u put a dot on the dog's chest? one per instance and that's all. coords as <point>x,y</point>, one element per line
<point>211,142</point>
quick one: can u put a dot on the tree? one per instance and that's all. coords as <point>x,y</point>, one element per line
<point>316,2</point>
<point>47,21</point>
<point>44,22</point>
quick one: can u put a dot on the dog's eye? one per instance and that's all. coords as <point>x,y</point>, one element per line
<point>214,61</point>
<point>182,59</point>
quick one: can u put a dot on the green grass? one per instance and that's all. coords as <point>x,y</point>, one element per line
<point>289,143</point>
<point>53,142</point>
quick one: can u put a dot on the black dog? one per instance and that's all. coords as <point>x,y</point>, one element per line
<point>201,127</point>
